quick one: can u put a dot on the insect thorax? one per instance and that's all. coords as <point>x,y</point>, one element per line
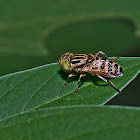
<point>79,60</point>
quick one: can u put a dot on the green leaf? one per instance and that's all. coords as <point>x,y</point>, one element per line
<point>74,123</point>
<point>43,87</point>
<point>126,98</point>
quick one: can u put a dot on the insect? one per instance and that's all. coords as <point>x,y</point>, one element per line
<point>93,64</point>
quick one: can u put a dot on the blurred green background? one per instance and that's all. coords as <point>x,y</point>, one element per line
<point>34,33</point>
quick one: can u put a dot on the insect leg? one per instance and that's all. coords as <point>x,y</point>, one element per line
<point>100,52</point>
<point>81,75</point>
<point>109,83</point>
<point>114,59</point>
<point>70,75</point>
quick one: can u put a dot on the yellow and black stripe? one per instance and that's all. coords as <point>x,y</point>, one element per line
<point>80,59</point>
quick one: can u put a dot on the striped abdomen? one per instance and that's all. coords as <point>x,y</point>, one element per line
<point>103,67</point>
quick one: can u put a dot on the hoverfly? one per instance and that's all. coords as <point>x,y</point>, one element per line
<point>92,64</point>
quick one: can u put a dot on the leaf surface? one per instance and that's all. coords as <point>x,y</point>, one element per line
<point>72,123</point>
<point>43,87</point>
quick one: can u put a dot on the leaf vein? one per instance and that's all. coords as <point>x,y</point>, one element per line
<point>38,90</point>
